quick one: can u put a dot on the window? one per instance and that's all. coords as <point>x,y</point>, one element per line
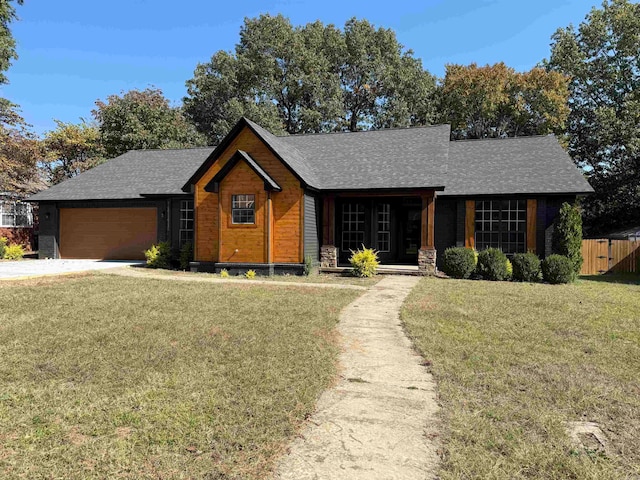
<point>501,224</point>
<point>352,226</point>
<point>186,222</point>
<point>384,227</point>
<point>243,209</point>
<point>16,214</point>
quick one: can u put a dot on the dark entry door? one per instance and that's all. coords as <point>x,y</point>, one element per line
<point>370,222</point>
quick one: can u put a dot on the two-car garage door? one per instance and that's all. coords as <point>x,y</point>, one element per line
<point>107,233</point>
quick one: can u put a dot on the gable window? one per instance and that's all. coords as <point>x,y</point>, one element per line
<point>186,222</point>
<point>243,209</point>
<point>501,224</point>
<point>16,214</point>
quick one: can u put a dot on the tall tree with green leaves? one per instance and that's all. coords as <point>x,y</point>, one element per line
<point>71,149</point>
<point>141,119</point>
<point>497,101</point>
<point>7,42</point>
<point>602,57</point>
<point>311,78</point>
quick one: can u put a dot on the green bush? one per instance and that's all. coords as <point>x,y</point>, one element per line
<point>509,266</point>
<point>526,267</point>
<point>459,262</point>
<point>308,265</point>
<point>3,246</point>
<point>567,235</point>
<point>251,274</point>
<point>492,264</point>
<point>159,256</point>
<point>186,255</point>
<point>558,269</point>
<point>364,262</point>
<point>13,252</point>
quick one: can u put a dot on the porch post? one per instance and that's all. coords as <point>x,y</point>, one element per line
<point>427,252</point>
<point>328,250</point>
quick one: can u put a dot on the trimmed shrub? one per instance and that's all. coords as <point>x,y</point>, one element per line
<point>186,255</point>
<point>567,235</point>
<point>526,267</point>
<point>13,252</point>
<point>509,267</point>
<point>492,264</point>
<point>364,262</point>
<point>251,274</point>
<point>459,262</point>
<point>159,256</point>
<point>558,269</point>
<point>3,245</point>
<point>224,273</point>
<point>308,265</point>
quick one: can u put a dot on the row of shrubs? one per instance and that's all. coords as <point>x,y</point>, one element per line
<point>10,252</point>
<point>493,264</point>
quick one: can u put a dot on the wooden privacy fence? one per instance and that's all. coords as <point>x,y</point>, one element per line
<point>602,256</point>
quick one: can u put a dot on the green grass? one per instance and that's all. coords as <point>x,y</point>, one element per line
<point>114,377</point>
<point>515,362</point>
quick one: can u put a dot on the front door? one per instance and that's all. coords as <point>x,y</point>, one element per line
<point>386,224</point>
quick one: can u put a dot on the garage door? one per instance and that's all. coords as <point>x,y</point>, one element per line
<point>107,233</point>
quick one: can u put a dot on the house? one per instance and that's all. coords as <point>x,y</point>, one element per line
<point>266,202</point>
<point>16,219</point>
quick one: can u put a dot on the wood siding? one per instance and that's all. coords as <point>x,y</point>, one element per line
<point>287,206</point>
<point>242,243</point>
<point>532,219</point>
<point>107,233</point>
<point>470,224</point>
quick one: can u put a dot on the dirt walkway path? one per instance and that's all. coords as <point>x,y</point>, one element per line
<point>379,421</point>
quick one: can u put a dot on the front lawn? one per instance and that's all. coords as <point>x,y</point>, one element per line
<point>515,362</point>
<point>114,377</point>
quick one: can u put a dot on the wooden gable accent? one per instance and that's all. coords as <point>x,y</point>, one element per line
<point>532,214</point>
<point>285,212</point>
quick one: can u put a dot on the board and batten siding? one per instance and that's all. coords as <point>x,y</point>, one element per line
<point>312,227</point>
<point>287,206</point>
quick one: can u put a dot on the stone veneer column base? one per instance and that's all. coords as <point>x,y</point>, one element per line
<point>328,256</point>
<point>427,261</point>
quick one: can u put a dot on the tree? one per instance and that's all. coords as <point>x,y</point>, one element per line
<point>602,58</point>
<point>70,150</point>
<point>143,119</point>
<point>7,42</point>
<point>19,153</point>
<point>567,235</point>
<point>311,78</point>
<point>497,101</point>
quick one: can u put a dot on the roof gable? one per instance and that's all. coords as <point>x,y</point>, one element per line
<point>288,155</point>
<point>241,156</point>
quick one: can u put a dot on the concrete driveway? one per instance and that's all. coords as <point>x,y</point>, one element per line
<point>38,268</point>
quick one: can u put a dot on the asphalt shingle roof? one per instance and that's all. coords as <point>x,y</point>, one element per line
<point>419,157</point>
<point>132,175</point>
<point>376,159</point>
<point>512,165</point>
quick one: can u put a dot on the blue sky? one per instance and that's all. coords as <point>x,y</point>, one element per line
<point>73,52</point>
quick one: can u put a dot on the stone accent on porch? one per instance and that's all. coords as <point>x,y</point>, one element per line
<point>328,256</point>
<point>427,261</point>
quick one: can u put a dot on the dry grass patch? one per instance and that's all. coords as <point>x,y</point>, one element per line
<point>114,377</point>
<point>515,363</point>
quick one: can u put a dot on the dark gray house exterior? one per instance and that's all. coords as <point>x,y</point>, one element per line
<point>262,201</point>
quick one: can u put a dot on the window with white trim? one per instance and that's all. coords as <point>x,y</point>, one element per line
<point>352,226</point>
<point>243,209</point>
<point>186,222</point>
<point>16,214</point>
<point>501,224</point>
